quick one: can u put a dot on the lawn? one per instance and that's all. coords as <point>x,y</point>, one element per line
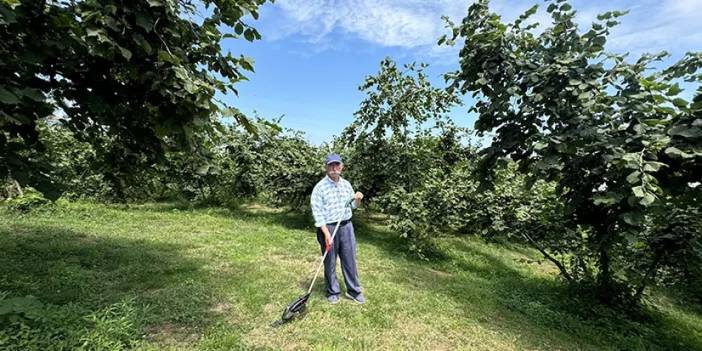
<point>167,276</point>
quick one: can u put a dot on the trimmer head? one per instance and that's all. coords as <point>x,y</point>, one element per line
<point>295,308</point>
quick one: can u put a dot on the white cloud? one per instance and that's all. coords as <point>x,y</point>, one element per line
<point>396,23</point>
<point>415,25</point>
<point>671,25</point>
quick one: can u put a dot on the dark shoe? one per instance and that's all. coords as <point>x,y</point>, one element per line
<point>358,298</point>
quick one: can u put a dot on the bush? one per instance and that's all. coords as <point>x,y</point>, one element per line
<point>440,206</point>
<point>676,243</point>
<point>29,200</point>
<point>28,324</point>
<point>276,166</point>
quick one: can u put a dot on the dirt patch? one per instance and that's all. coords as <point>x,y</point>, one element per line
<point>439,273</point>
<point>221,308</point>
<point>172,334</point>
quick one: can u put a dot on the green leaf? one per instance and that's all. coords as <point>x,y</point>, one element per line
<point>7,15</point>
<point>640,128</point>
<point>532,10</point>
<point>666,110</point>
<point>92,32</point>
<point>604,200</point>
<point>673,151</point>
<point>633,218</point>
<point>167,57</point>
<point>155,3</point>
<point>638,191</point>
<point>125,52</point>
<point>249,35</point>
<point>653,166</point>
<point>146,46</point>
<point>648,199</point>
<point>244,121</point>
<point>685,131</point>
<point>247,63</point>
<point>599,41</point>
<point>203,170</point>
<point>34,94</point>
<point>674,90</point>
<point>631,157</point>
<point>680,102</point>
<point>633,177</point>
<point>8,97</point>
<point>604,16</point>
<point>144,22</point>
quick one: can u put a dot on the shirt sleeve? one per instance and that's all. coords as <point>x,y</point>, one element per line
<point>317,208</point>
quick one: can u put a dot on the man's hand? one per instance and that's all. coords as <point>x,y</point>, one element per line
<point>357,198</point>
<point>327,240</point>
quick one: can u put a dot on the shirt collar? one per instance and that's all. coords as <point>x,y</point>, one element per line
<point>332,181</point>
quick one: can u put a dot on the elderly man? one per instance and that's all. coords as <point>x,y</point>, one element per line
<point>329,199</point>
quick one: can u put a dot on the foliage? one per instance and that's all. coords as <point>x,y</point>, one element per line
<point>139,75</point>
<point>404,152</point>
<point>617,137</point>
<point>676,245</point>
<point>382,150</point>
<point>425,214</point>
<point>226,165</point>
<point>29,324</point>
<point>441,196</point>
<point>292,167</point>
<point>528,213</point>
<point>30,199</point>
<point>277,166</point>
<point>74,165</point>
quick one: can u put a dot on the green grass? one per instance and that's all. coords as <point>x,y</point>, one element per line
<point>165,276</point>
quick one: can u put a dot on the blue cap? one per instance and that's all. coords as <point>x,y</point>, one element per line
<point>331,158</point>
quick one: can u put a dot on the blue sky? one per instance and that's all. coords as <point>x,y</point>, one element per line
<point>315,53</point>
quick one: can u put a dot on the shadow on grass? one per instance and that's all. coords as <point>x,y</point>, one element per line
<point>373,231</point>
<point>288,218</point>
<point>536,312</point>
<point>171,296</point>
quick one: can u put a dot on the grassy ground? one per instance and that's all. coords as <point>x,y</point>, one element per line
<point>162,276</point>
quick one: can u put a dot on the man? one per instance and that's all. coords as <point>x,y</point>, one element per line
<point>329,199</point>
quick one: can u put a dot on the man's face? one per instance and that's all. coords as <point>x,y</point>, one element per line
<point>334,169</point>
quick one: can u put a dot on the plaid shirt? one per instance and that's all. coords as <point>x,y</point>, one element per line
<point>329,201</point>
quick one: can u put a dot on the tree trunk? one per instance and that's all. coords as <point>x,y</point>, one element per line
<point>650,275</point>
<point>604,274</point>
<point>201,188</point>
<point>604,278</point>
<point>18,186</point>
<point>558,264</point>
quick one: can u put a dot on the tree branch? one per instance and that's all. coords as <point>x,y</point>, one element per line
<point>558,264</point>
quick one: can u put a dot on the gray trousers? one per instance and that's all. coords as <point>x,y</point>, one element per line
<point>345,247</point>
